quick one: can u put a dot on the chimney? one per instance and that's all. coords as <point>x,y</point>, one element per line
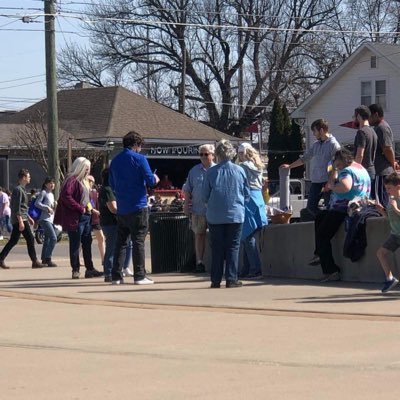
<point>83,85</point>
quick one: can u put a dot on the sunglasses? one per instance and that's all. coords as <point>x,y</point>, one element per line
<point>204,154</point>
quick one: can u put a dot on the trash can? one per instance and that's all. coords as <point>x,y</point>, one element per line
<point>171,242</point>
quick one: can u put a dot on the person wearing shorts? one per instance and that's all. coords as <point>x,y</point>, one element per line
<point>194,205</point>
<point>385,252</point>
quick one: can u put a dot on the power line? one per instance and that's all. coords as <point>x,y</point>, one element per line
<point>219,26</point>
<point>22,79</point>
<point>24,84</point>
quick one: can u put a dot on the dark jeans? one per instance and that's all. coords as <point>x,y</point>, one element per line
<point>134,224</point>
<point>82,236</point>
<point>327,223</point>
<point>379,192</point>
<point>15,235</point>
<point>225,244</point>
<point>251,257</point>
<point>110,234</point>
<point>315,195</point>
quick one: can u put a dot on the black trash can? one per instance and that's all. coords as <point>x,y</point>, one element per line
<point>171,242</point>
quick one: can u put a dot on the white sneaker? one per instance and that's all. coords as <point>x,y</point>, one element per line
<point>1,237</point>
<point>127,272</point>
<point>144,281</point>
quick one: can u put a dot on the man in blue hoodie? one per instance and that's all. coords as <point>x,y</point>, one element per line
<point>130,173</point>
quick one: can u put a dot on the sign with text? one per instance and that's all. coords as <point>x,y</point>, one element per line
<point>171,150</point>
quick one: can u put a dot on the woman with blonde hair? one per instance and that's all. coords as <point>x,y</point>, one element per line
<point>73,213</point>
<point>255,216</point>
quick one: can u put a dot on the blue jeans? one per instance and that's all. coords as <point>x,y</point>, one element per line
<point>225,244</point>
<point>50,239</point>
<point>83,235</point>
<point>135,224</point>
<point>110,233</point>
<point>5,224</point>
<point>251,257</point>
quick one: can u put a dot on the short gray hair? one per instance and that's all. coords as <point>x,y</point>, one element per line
<point>208,147</point>
<point>225,150</point>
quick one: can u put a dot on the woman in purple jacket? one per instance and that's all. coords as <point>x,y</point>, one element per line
<point>74,215</point>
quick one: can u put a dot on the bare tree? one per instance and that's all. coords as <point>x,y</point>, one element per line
<point>155,42</point>
<point>33,138</point>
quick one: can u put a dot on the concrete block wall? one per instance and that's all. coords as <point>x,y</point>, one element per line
<point>285,251</point>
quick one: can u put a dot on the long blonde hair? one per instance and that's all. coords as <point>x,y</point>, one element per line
<point>80,169</point>
<point>251,154</point>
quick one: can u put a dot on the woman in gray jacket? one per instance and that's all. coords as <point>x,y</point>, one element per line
<point>45,202</point>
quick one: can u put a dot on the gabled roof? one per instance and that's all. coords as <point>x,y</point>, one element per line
<point>389,52</point>
<point>96,114</point>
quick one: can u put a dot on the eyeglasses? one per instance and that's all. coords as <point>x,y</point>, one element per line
<point>204,154</point>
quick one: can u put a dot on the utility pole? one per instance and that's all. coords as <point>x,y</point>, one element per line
<point>51,89</point>
<point>240,77</point>
<point>182,94</point>
<point>148,61</point>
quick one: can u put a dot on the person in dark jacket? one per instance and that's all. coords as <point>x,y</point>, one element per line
<point>73,213</point>
<point>20,221</point>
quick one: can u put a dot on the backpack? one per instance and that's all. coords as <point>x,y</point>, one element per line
<point>33,211</point>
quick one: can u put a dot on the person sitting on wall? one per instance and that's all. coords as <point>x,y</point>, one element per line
<point>352,181</point>
<point>165,183</point>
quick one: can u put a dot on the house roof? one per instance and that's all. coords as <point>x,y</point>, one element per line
<point>9,133</point>
<point>101,114</point>
<point>389,52</point>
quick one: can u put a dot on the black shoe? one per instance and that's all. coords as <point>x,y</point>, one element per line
<point>93,273</point>
<point>3,265</point>
<point>37,264</point>
<point>48,263</point>
<point>215,285</point>
<point>200,268</point>
<point>107,279</point>
<point>233,284</point>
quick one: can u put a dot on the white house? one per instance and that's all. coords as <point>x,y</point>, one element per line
<point>370,75</point>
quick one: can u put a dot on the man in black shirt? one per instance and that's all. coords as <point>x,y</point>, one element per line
<point>384,160</point>
<point>365,143</point>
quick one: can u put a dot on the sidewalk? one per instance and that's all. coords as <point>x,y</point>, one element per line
<point>178,339</point>
<point>192,290</point>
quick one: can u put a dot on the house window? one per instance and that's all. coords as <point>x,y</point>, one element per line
<point>380,93</point>
<point>373,62</point>
<point>373,92</point>
<point>366,93</point>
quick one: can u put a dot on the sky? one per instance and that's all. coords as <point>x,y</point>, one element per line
<point>22,48</point>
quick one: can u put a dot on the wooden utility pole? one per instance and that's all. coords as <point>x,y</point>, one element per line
<point>182,94</point>
<point>51,89</point>
<point>240,76</point>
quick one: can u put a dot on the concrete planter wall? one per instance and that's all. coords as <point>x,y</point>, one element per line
<point>285,251</point>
